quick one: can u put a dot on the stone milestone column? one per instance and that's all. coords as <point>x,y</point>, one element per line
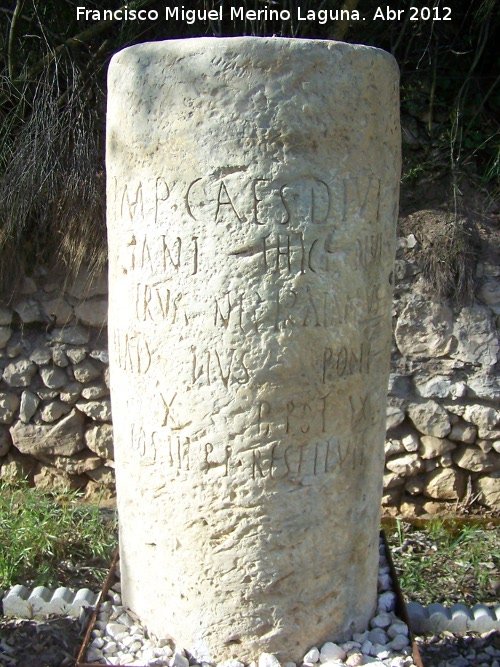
<point>252,200</point>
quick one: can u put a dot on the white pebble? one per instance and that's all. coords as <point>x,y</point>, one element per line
<point>377,636</point>
<point>331,651</point>
<point>397,628</point>
<point>125,620</point>
<point>231,663</point>
<point>366,647</point>
<point>355,660</point>
<point>312,656</point>
<point>382,620</point>
<point>110,648</point>
<point>98,642</point>
<point>128,641</point>
<point>380,651</point>
<point>94,654</point>
<point>177,660</point>
<point>115,629</point>
<point>386,601</point>
<point>268,660</point>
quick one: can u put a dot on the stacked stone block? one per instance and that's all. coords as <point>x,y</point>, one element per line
<point>55,412</point>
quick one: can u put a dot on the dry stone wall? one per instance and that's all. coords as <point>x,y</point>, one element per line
<point>443,413</point>
<point>55,412</point>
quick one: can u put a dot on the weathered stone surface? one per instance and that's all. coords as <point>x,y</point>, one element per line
<point>59,356</point>
<point>47,478</point>
<point>93,312</point>
<point>78,464</point>
<point>99,439</point>
<point>485,445</point>
<point>58,311</point>
<point>249,219</point>
<point>29,311</point>
<point>71,392</point>
<point>439,386</point>
<point>445,484</point>
<point>47,394</point>
<point>411,442</point>
<point>5,441</point>
<point>394,417</point>
<point>86,371</point>
<point>446,460</point>
<point>103,475</point>
<point>64,438</point>
<point>405,466</point>
<point>399,385</point>
<point>474,459</point>
<point>393,479</point>
<point>489,292</point>
<point>8,405</point>
<point>41,356</point>
<point>97,492</point>
<point>87,285</point>
<point>76,354</point>
<point>410,510</point>
<point>19,373</point>
<point>29,404</point>
<point>100,355</point>
<point>5,334</point>
<point>432,447</point>
<point>98,410</point>
<point>393,447</point>
<point>54,377</point>
<point>94,391</point>
<point>477,337</point>
<point>430,418</point>
<point>76,335</point>
<point>17,467</point>
<point>18,345</point>
<point>484,385</point>
<point>487,488</point>
<point>424,329</point>
<point>485,418</point>
<point>54,410</point>
<point>463,432</point>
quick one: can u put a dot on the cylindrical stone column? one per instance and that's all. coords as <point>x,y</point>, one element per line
<point>252,200</point>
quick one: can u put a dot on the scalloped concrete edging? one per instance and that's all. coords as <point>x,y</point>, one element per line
<point>42,602</point>
<point>458,618</point>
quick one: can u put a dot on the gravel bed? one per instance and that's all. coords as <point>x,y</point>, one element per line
<point>119,639</point>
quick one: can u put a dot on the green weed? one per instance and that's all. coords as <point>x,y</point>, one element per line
<point>48,540</point>
<point>447,561</point>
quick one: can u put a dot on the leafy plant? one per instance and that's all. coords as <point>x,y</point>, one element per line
<point>44,536</point>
